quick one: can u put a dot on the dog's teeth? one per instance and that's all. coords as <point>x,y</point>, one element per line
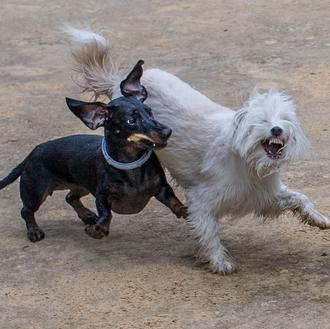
<point>275,141</point>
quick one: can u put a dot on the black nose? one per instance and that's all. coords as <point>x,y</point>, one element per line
<point>276,131</point>
<point>166,132</point>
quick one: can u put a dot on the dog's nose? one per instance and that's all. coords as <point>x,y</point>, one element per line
<point>276,131</point>
<point>166,132</point>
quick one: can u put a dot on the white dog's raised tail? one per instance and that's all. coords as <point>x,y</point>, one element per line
<point>93,61</point>
<point>229,163</point>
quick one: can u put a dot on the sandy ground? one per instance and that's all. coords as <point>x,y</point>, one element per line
<point>143,275</point>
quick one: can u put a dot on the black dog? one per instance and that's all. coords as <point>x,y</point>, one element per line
<point>120,169</point>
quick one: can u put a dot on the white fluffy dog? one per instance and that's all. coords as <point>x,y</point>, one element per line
<point>229,163</point>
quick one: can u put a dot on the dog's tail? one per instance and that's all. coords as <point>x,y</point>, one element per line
<point>92,56</point>
<point>13,175</point>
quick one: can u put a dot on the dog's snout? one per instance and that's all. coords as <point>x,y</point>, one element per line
<point>166,132</point>
<point>276,131</point>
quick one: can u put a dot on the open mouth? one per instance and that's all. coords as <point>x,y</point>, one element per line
<point>273,147</point>
<point>146,140</point>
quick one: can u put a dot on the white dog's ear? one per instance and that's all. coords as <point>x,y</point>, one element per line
<point>239,117</point>
<point>131,86</point>
<point>301,143</point>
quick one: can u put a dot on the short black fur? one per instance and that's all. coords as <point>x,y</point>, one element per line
<point>77,163</point>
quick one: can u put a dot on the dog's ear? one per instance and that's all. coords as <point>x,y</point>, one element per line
<point>91,114</point>
<point>131,86</point>
<point>240,116</point>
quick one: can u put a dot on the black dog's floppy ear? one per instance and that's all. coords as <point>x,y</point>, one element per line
<point>91,114</point>
<point>131,86</point>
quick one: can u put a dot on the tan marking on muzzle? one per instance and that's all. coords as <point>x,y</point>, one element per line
<point>138,137</point>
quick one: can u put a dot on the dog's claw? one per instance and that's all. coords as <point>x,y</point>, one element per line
<point>35,235</point>
<point>96,231</point>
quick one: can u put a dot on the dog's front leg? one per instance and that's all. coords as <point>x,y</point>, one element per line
<point>101,227</point>
<point>167,197</point>
<point>206,228</point>
<point>300,205</point>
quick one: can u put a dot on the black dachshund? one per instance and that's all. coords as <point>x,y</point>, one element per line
<point>119,169</point>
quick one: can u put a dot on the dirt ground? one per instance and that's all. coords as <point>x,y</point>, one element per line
<point>144,275</point>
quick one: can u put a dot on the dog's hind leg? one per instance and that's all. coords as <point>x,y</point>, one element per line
<point>34,232</point>
<point>73,199</point>
<point>301,206</point>
<point>206,228</point>
<point>33,192</point>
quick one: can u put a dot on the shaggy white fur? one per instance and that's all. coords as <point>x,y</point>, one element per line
<point>229,163</point>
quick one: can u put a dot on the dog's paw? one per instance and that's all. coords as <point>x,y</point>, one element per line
<point>314,218</point>
<point>224,267</point>
<point>35,235</point>
<point>88,217</point>
<point>96,231</point>
<point>322,222</point>
<point>182,212</point>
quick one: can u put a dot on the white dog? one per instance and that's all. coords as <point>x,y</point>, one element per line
<point>229,163</point>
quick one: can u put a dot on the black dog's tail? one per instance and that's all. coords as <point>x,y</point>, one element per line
<point>13,175</point>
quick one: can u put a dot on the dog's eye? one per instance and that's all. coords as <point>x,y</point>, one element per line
<point>131,121</point>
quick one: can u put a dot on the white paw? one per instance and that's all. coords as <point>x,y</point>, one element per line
<point>322,221</point>
<point>314,218</point>
<point>223,267</point>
